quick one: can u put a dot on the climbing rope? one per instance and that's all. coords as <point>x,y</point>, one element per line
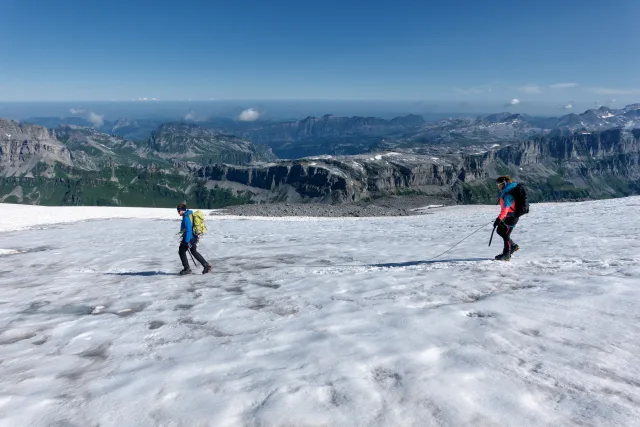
<point>355,265</point>
<point>283,267</point>
<point>438,256</point>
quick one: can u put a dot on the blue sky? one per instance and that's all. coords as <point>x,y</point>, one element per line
<point>563,52</point>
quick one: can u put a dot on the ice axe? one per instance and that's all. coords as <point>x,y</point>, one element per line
<point>492,231</point>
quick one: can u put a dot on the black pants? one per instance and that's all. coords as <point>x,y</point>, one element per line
<point>182,251</point>
<point>504,230</point>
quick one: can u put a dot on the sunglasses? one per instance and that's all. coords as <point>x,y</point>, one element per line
<point>181,210</point>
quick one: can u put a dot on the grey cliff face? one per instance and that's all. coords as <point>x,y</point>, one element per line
<point>578,147</point>
<point>310,182</point>
<point>22,147</point>
<point>342,179</point>
<point>18,131</point>
<point>583,164</point>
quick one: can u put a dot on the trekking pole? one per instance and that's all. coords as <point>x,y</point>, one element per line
<point>494,229</point>
<point>194,261</point>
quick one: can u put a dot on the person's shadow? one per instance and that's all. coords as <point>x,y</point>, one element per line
<point>416,263</point>
<point>142,273</point>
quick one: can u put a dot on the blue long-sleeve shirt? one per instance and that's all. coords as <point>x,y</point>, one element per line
<point>186,227</point>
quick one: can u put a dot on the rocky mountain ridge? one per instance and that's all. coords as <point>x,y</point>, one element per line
<point>594,165</point>
<point>186,159</point>
<point>25,146</point>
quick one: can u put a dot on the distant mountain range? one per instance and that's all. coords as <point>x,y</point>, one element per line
<point>72,164</point>
<point>578,167</point>
<point>352,135</point>
<point>335,159</point>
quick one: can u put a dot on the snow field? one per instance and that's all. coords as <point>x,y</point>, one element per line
<point>324,322</point>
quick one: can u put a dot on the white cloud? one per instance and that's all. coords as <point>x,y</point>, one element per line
<point>96,119</point>
<point>614,91</point>
<point>192,116</point>
<point>563,85</point>
<point>76,111</point>
<point>249,115</point>
<point>514,101</point>
<point>568,106</point>
<point>530,89</point>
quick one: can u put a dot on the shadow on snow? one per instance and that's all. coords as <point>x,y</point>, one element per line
<point>142,273</point>
<point>385,265</point>
<point>416,263</point>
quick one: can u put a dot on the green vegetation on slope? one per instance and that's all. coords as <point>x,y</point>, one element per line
<point>120,186</point>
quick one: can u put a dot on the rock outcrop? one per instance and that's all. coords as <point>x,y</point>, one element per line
<point>346,179</point>
<point>24,147</point>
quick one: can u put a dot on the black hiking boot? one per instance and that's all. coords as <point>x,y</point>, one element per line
<point>503,257</point>
<point>514,249</point>
<point>207,269</point>
<point>185,272</point>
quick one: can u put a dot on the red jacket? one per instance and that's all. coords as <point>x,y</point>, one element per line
<point>507,203</point>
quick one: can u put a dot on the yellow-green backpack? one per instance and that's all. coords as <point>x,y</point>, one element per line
<point>197,220</point>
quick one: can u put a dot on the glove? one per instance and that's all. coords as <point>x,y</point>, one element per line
<point>497,222</point>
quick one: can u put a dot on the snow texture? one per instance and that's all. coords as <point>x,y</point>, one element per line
<point>321,322</point>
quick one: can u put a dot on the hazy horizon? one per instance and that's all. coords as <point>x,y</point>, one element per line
<point>269,109</point>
